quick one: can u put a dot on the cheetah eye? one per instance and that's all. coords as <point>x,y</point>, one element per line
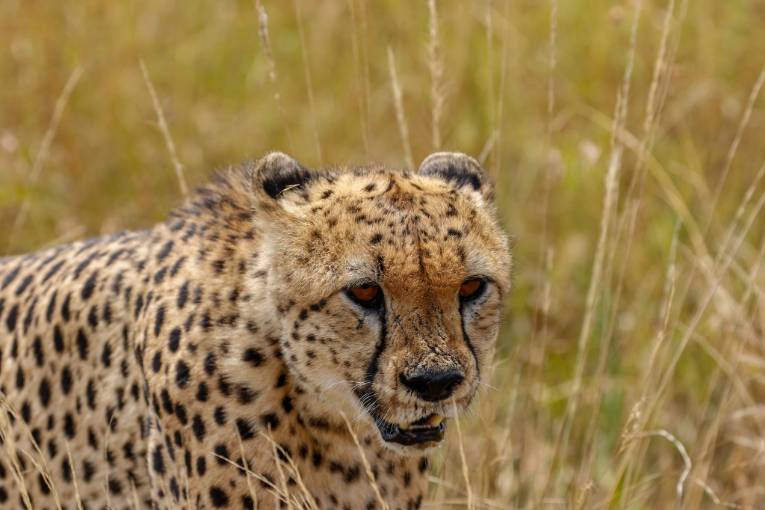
<point>368,295</point>
<point>472,288</point>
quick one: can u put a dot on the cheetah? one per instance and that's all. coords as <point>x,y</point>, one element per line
<point>288,337</point>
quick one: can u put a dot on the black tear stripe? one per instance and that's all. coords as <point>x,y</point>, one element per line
<point>366,394</point>
<point>380,266</point>
<point>468,341</point>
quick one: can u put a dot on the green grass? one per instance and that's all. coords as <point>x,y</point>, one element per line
<point>548,434</point>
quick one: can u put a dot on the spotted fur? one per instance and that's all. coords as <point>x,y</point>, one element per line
<point>173,366</point>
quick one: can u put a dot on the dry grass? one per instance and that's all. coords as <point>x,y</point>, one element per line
<point>624,138</point>
<point>42,152</point>
<point>177,165</point>
<point>436,66</point>
<point>398,102</point>
<point>367,467</point>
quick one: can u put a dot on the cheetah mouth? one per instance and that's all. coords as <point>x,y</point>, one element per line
<point>424,432</point>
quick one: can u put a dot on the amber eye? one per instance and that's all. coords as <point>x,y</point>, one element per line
<point>471,288</point>
<point>367,295</point>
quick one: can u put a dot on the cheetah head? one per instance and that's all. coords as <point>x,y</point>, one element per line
<point>389,288</point>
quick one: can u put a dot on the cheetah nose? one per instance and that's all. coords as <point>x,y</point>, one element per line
<point>433,385</point>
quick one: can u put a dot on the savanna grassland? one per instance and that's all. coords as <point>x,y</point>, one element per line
<point>626,141</point>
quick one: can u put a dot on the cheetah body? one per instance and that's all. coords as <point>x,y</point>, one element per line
<point>216,361</point>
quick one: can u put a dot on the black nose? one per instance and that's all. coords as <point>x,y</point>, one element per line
<point>433,385</point>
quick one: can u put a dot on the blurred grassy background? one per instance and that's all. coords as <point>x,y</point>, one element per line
<point>599,406</point>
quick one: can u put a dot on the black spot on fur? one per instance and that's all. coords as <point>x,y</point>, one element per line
<point>66,380</point>
<point>183,295</point>
<point>182,374</point>
<point>58,339</point>
<point>167,403</point>
<point>115,487</point>
<point>13,315</point>
<point>287,404</point>
<point>246,431</point>
<point>221,454</point>
<point>156,362</point>
<point>218,497</point>
<point>52,271</point>
<point>66,312</point>
<point>51,306</point>
<point>253,357</point>
<point>88,470</point>
<point>174,340</point>
<point>106,355</point>
<point>165,251</point>
<point>82,344</point>
<point>270,420</point>
<point>201,466</point>
<point>181,414</point>
<point>220,415</point>
<point>10,277</point>
<point>37,349</point>
<point>198,427</point>
<point>210,364</point>
<point>202,392</point>
<point>158,460</point>
<point>70,429</point>
<point>159,320</point>
<point>245,394</point>
<point>24,284</point>
<point>44,392</point>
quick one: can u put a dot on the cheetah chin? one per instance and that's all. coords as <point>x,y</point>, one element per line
<point>423,433</point>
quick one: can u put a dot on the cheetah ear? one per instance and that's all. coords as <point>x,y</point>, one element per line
<point>277,173</point>
<point>460,170</point>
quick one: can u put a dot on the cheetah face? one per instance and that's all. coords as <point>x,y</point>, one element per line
<point>433,339</point>
<point>392,287</point>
